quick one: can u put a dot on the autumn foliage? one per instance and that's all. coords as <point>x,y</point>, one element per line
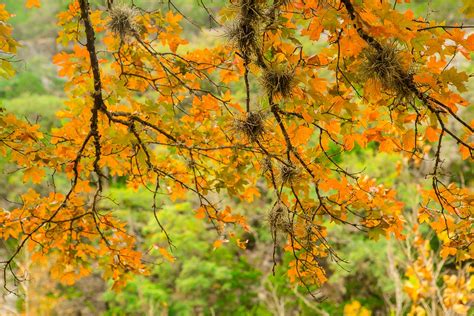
<point>144,107</point>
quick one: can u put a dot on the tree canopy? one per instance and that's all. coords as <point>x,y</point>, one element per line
<point>322,78</point>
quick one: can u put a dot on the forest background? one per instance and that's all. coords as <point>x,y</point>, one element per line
<point>206,278</point>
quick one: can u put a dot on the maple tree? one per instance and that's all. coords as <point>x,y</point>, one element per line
<point>143,107</point>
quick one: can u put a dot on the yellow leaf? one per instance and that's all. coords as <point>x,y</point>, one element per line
<point>460,309</point>
<point>356,309</point>
<point>352,309</point>
<point>423,217</point>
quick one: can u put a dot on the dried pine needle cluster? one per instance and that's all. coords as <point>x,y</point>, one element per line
<point>278,82</point>
<point>123,20</point>
<point>244,36</point>
<point>288,173</point>
<point>252,125</point>
<point>386,65</point>
<point>255,16</point>
<point>282,3</point>
<point>278,218</point>
<point>244,33</point>
<point>266,164</point>
<point>250,10</point>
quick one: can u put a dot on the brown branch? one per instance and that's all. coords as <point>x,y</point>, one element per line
<point>444,27</point>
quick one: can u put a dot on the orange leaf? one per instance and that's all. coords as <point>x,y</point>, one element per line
<point>173,19</point>
<point>349,142</point>
<point>447,251</point>
<point>308,118</point>
<point>301,134</point>
<point>32,3</point>
<point>166,254</point>
<point>409,140</point>
<point>242,244</point>
<point>465,153</point>
<point>217,244</point>
<point>435,66</point>
<point>431,134</point>
<point>250,193</point>
<point>35,174</point>
<point>200,213</point>
<point>387,146</point>
<point>68,278</point>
